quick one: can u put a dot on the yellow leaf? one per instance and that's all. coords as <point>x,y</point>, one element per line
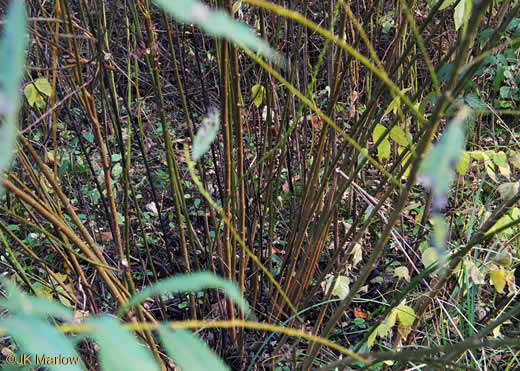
<point>496,332</point>
<point>399,136</point>
<point>378,132</point>
<point>341,287</point>
<point>429,256</point>
<point>498,279</point>
<point>478,155</point>
<point>406,315</point>
<point>464,162</point>
<point>372,338</point>
<point>43,86</point>
<point>257,94</point>
<point>404,331</point>
<point>402,272</point>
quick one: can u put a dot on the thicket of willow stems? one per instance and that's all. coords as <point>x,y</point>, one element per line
<point>286,181</point>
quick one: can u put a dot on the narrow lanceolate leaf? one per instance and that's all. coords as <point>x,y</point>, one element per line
<point>38,338</point>
<point>438,168</point>
<point>12,67</point>
<point>189,352</point>
<point>119,348</point>
<point>219,24</point>
<point>206,134</point>
<point>189,283</point>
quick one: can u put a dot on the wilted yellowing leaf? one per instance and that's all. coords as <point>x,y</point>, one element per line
<point>406,315</point>
<point>429,256</point>
<point>402,272</point>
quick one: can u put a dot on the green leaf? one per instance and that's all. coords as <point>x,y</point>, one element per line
<point>446,4</point>
<point>19,303</point>
<point>257,94</point>
<point>119,348</point>
<point>438,168</point>
<point>500,159</point>
<point>206,134</point>
<point>219,24</point>
<point>399,136</point>
<point>383,149</point>
<point>462,13</point>
<point>189,282</point>
<point>464,162</point>
<point>12,67</point>
<point>189,352</point>
<point>38,338</point>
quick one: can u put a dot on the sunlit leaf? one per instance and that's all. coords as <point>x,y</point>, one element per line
<point>500,159</point>
<point>36,90</point>
<point>402,272</point>
<point>406,315</point>
<point>498,279</point>
<point>206,134</point>
<point>341,286</point>
<point>474,273</point>
<point>399,136</point>
<point>189,352</point>
<point>217,23</point>
<point>464,162</point>
<point>257,94</point>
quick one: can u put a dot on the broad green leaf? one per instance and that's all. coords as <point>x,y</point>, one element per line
<point>38,338</point>
<point>257,94</point>
<point>438,168</point>
<point>19,303</point>
<point>119,349</point>
<point>498,279</point>
<point>464,162</point>
<point>189,352</point>
<point>12,67</point>
<point>399,136</point>
<point>402,272</point>
<point>189,282</point>
<point>217,23</point>
<point>206,135</point>
<point>406,315</point>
